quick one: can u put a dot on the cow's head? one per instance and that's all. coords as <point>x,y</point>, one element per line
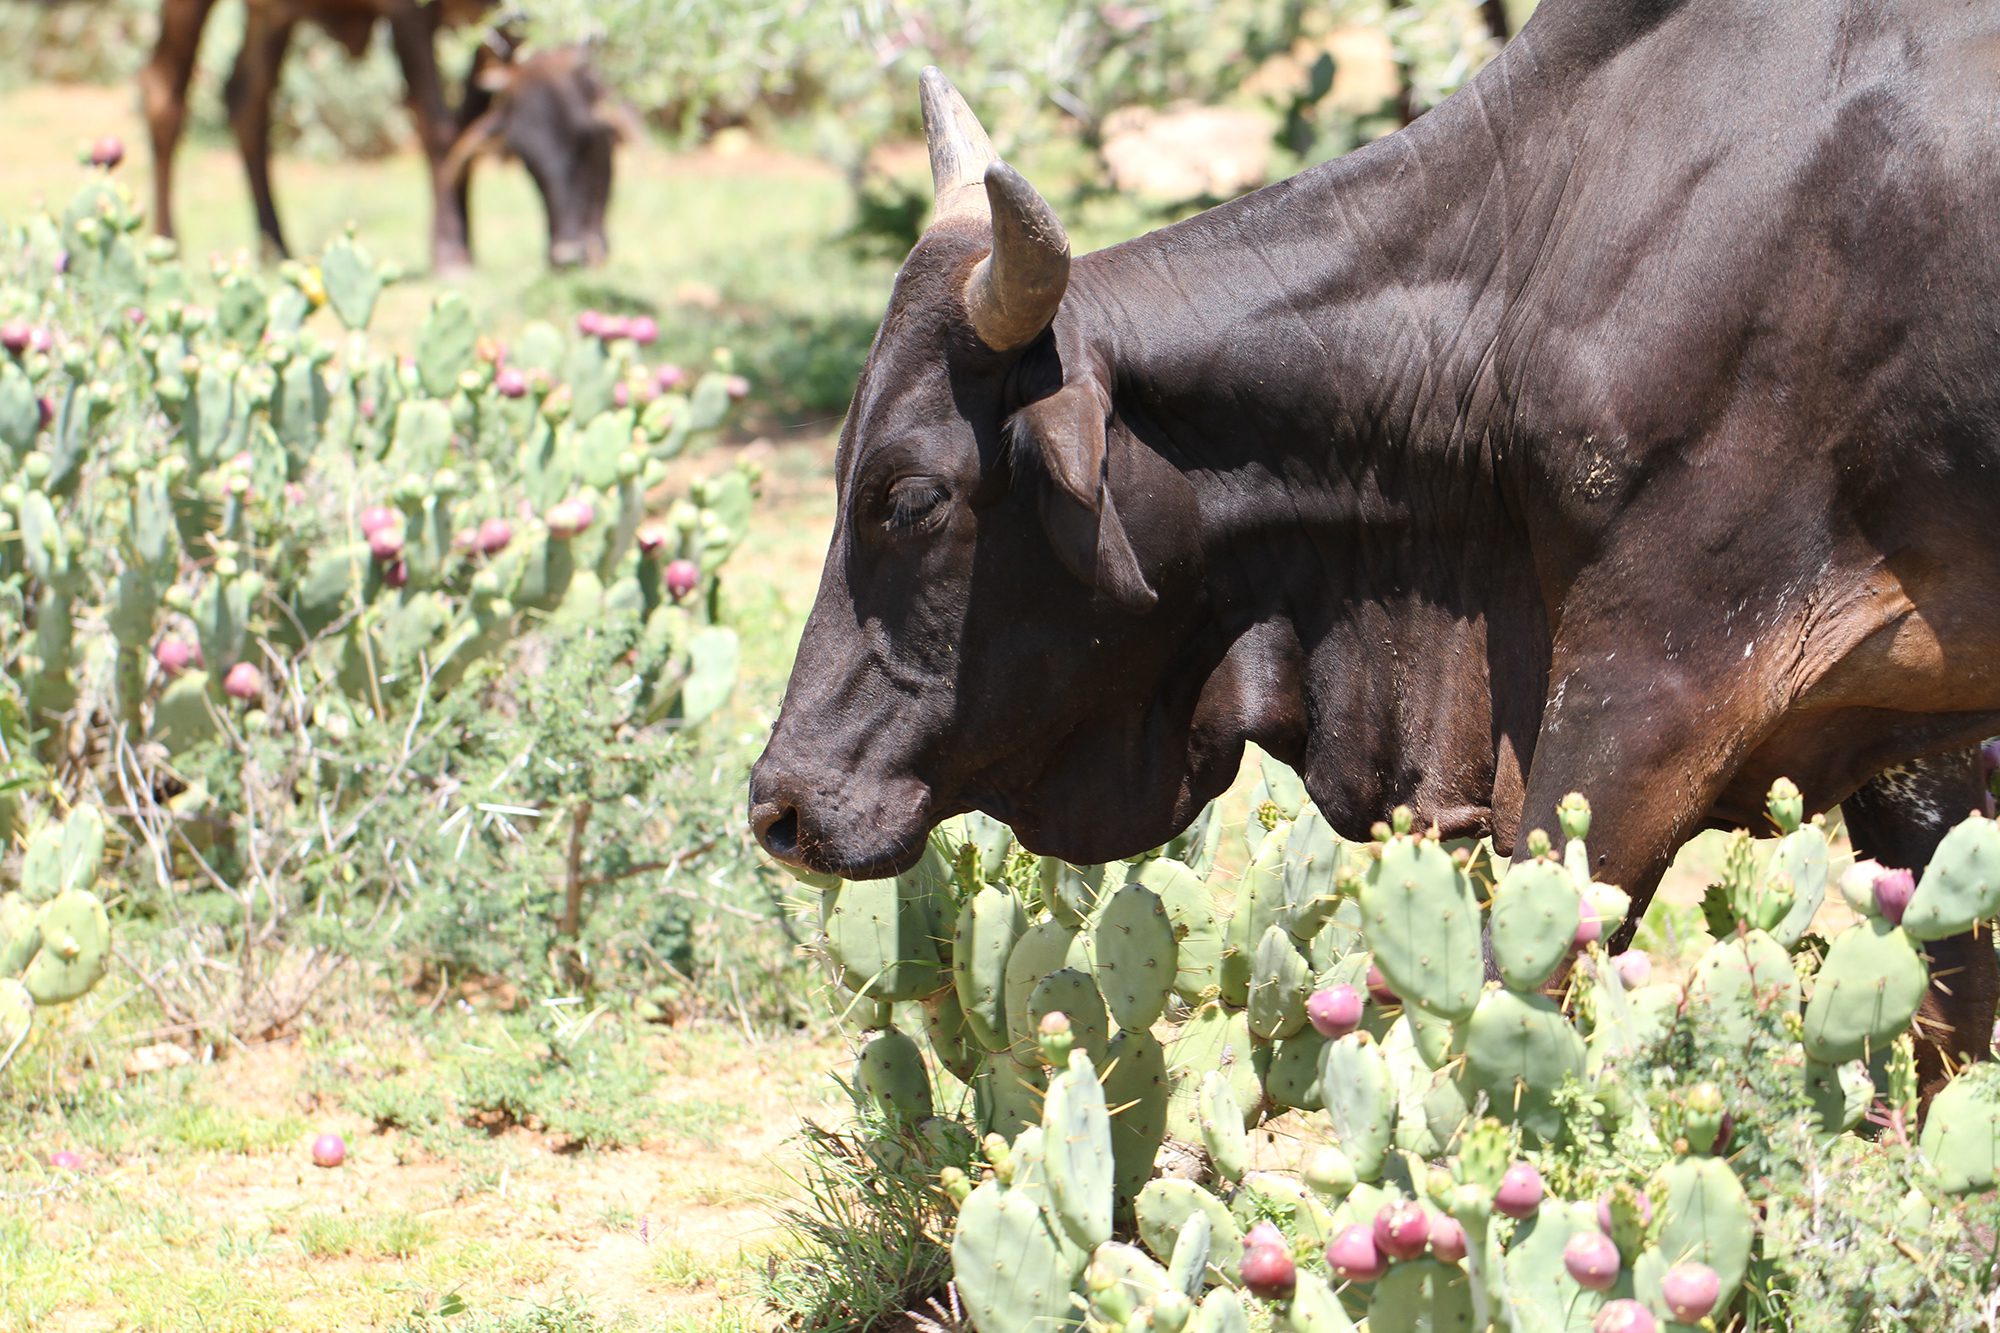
<point>1008,617</point>
<point>549,111</point>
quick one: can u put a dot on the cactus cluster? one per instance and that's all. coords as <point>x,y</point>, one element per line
<point>1526,1152</point>
<point>54,936</point>
<point>253,498</point>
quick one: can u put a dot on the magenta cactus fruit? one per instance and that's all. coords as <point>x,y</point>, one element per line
<point>244,681</point>
<point>590,323</point>
<point>510,382</point>
<point>568,518</point>
<point>107,152</point>
<point>620,395</point>
<point>329,1150</point>
<point>395,574</point>
<point>1520,1192</point>
<point>493,536</point>
<point>1592,1260</point>
<point>1354,1256</point>
<point>45,407</point>
<point>1604,1210</point>
<point>1893,890</point>
<point>669,377</point>
<point>175,655</point>
<point>651,540</point>
<point>682,575</point>
<point>1378,987</point>
<point>1335,1011</point>
<point>1267,1269</point>
<point>1402,1230</point>
<point>1690,1290</point>
<point>15,335</point>
<point>386,544</point>
<point>377,517</point>
<point>738,387</point>
<point>1589,930</point>
<point>1624,1316</point>
<point>1447,1240</point>
<point>62,1159</point>
<point>643,329</point>
<point>1634,968</point>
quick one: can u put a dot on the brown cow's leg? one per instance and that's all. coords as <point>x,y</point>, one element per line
<point>163,86</point>
<point>1898,819</point>
<point>252,84</point>
<point>414,31</point>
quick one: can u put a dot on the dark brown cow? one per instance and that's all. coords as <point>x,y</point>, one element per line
<point>1628,424</point>
<point>566,121</point>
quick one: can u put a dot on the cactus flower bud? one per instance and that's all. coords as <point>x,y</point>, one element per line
<point>1573,816</point>
<point>569,518</point>
<point>1055,1038</point>
<point>1893,890</point>
<point>610,328</point>
<point>1624,1316</point>
<point>107,152</point>
<point>1402,1230</point>
<point>682,576</point>
<point>493,536</point>
<point>1353,1255</point>
<point>45,408</point>
<point>651,539</point>
<point>956,1184</point>
<point>1690,1290</point>
<point>1634,968</point>
<point>1640,1201</point>
<point>1703,1113</point>
<point>1786,804</point>
<point>1538,843</point>
<point>1520,1192</point>
<point>1335,1011</point>
<point>1592,1260</point>
<point>1857,887</point>
<point>244,681</point>
<point>643,330</point>
<point>175,655</point>
<point>1447,1240</point>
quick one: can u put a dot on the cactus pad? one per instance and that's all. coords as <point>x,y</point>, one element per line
<point>891,1070</point>
<point>1163,1209</point>
<point>1520,1048</point>
<point>1422,922</point>
<point>1076,1152</point>
<point>1070,992</point>
<point>1535,913</point>
<point>1745,984</point>
<point>881,937</point>
<point>1961,1138</point>
<point>988,925</point>
<point>1044,947</point>
<point>1012,1271</point>
<point>1136,1087</point>
<point>1961,885</point>
<point>1423,1296</point>
<point>1866,992</point>
<point>1133,956</point>
<point>20,933</point>
<point>1360,1099</point>
<point>76,944</point>
<point>1280,980</point>
<point>1197,929</point>
<point>1704,1217</point>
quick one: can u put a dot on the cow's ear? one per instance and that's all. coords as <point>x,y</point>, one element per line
<point>1067,429</point>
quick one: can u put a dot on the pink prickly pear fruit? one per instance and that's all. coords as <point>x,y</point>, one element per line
<point>1635,969</point>
<point>107,152</point>
<point>669,377</point>
<point>643,329</point>
<point>738,387</point>
<point>1378,987</point>
<point>45,407</point>
<point>1354,1255</point>
<point>567,518</point>
<point>15,335</point>
<point>620,395</point>
<point>377,517</point>
<point>386,544</point>
<point>1589,930</point>
<point>493,536</point>
<point>1893,890</point>
<point>175,655</point>
<point>1267,1269</point>
<point>1447,1240</point>
<point>62,1159</point>
<point>329,1150</point>
<point>1402,1230</point>
<point>244,681</point>
<point>511,383</point>
<point>1624,1317</point>
<point>651,540</point>
<point>681,578</point>
<point>613,327</point>
<point>589,323</point>
<point>1604,1210</point>
<point>1520,1192</point>
<point>395,574</point>
<point>1690,1290</point>
<point>1592,1260</point>
<point>1335,1011</point>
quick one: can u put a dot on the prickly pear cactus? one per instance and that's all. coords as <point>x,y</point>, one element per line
<point>1192,1062</point>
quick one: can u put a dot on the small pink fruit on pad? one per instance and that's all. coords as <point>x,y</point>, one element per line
<point>244,681</point>
<point>1592,1260</point>
<point>1624,1317</point>
<point>1267,1268</point>
<point>681,578</point>
<point>1520,1192</point>
<point>62,1159</point>
<point>329,1150</point>
<point>1402,1230</point>
<point>1354,1256</point>
<point>1447,1240</point>
<point>1335,1011</point>
<point>1690,1290</point>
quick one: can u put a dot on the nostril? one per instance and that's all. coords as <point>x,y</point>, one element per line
<point>777,827</point>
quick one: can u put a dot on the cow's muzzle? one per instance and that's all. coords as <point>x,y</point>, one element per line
<point>854,827</point>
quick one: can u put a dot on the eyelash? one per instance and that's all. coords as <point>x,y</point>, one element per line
<point>911,508</point>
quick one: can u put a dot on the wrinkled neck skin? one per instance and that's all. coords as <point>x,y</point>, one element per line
<point>1315,359</point>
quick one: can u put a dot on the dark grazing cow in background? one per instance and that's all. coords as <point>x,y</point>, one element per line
<point>555,115</point>
<point>1628,424</point>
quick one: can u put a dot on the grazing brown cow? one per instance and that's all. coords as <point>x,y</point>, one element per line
<point>573,124</point>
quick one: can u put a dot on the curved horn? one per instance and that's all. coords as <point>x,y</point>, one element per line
<point>483,135</point>
<point>960,151</point>
<point>1012,294</point>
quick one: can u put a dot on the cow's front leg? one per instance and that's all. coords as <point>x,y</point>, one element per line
<point>251,86</point>
<point>1898,819</point>
<point>413,31</point>
<point>164,84</point>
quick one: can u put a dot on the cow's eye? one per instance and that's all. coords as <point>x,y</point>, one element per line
<point>915,503</point>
